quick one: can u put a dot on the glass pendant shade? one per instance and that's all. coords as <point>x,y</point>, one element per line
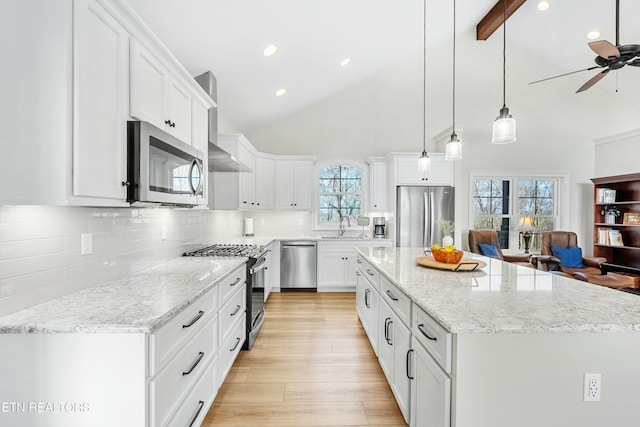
<point>453,149</point>
<point>424,163</point>
<point>504,128</point>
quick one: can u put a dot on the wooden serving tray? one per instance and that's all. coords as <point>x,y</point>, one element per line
<point>465,264</point>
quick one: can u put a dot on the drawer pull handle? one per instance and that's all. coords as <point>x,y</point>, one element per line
<point>409,363</point>
<point>358,274</point>
<point>370,273</point>
<point>238,280</point>
<point>195,319</point>
<point>236,346</point>
<point>359,261</point>
<point>200,356</point>
<point>200,406</point>
<point>236,310</point>
<point>393,298</point>
<point>421,329</point>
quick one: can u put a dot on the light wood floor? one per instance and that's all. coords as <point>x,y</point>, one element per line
<point>312,365</point>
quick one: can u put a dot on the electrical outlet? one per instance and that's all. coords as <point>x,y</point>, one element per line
<point>86,244</point>
<point>592,387</point>
<point>163,232</point>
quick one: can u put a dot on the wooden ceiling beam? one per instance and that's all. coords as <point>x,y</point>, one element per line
<point>493,20</point>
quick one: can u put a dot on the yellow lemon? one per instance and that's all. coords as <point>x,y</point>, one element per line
<point>450,248</point>
<point>435,247</point>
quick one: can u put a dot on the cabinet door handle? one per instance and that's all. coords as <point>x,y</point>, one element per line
<point>195,319</point>
<point>125,183</point>
<point>393,298</point>
<point>358,274</point>
<point>359,261</point>
<point>200,356</point>
<point>387,325</point>
<point>167,122</point>
<point>409,363</point>
<point>200,406</point>
<point>367,292</point>
<point>370,273</point>
<point>424,332</point>
<point>236,310</point>
<point>238,280</point>
<point>235,346</point>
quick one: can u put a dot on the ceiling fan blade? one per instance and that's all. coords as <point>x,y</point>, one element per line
<point>566,74</point>
<point>593,80</point>
<point>634,63</point>
<point>604,49</point>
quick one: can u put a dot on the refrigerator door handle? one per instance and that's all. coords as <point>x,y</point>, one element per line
<point>427,226</point>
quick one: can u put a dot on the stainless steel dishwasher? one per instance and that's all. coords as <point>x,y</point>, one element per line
<point>298,264</point>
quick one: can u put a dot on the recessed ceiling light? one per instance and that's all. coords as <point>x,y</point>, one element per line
<point>595,34</point>
<point>270,50</point>
<point>543,5</point>
<point>281,92</point>
<point>345,62</point>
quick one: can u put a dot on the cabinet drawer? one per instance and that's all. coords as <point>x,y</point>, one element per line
<point>231,311</point>
<point>169,339</point>
<point>167,390</point>
<point>196,405</point>
<point>372,275</point>
<point>397,300</point>
<point>230,348</point>
<point>433,337</point>
<point>230,283</point>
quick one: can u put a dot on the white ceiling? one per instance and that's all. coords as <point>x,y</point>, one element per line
<point>227,37</point>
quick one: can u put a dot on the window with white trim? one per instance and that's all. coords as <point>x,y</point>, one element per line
<point>498,203</point>
<point>340,193</point>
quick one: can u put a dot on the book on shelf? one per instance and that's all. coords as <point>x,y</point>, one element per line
<point>603,236</point>
<point>615,238</point>
<point>609,195</point>
<point>600,194</point>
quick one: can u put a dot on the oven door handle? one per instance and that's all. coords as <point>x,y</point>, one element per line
<point>259,265</point>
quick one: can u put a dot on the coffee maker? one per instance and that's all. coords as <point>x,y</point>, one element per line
<point>378,227</point>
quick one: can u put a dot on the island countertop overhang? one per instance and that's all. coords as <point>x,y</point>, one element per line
<point>505,298</point>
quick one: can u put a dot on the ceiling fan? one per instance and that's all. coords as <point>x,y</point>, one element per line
<point>609,57</point>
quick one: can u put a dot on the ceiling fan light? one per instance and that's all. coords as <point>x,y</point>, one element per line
<point>424,163</point>
<point>504,128</point>
<point>453,149</point>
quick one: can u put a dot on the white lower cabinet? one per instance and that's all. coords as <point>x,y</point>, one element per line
<point>194,408</point>
<point>430,390</point>
<point>393,353</point>
<point>368,301</point>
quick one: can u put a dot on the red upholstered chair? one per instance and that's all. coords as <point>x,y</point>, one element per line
<point>477,237</point>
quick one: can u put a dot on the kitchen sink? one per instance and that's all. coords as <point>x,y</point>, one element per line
<point>343,238</point>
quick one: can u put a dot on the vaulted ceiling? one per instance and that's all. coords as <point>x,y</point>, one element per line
<point>227,37</point>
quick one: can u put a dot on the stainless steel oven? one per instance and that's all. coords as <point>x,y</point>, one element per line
<point>256,268</point>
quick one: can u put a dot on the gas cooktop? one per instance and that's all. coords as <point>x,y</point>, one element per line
<point>227,250</point>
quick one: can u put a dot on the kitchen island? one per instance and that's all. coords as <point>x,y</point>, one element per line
<point>504,345</point>
<point>147,350</point>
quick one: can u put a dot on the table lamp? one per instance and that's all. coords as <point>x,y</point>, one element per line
<point>526,227</point>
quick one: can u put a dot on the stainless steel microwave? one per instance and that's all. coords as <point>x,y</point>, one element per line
<point>161,169</point>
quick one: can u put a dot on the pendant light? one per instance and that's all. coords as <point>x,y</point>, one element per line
<point>454,146</point>
<point>504,127</point>
<point>424,162</point>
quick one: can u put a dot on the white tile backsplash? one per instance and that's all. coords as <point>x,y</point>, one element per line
<point>283,224</point>
<point>40,246</point>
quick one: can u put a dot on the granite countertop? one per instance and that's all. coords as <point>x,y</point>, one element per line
<point>140,303</point>
<point>506,298</point>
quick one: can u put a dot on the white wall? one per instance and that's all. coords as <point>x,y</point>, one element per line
<point>40,246</point>
<point>618,154</point>
<point>384,114</point>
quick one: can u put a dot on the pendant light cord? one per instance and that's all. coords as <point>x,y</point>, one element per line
<point>504,54</point>
<point>453,126</point>
<point>424,79</point>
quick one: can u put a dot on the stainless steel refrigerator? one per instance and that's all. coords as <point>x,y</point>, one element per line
<point>419,211</point>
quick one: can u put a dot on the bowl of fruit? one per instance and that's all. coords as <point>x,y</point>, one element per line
<point>449,254</point>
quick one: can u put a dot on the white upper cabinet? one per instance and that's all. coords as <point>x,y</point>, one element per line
<point>156,96</point>
<point>265,174</point>
<point>378,185</point>
<point>294,178</point>
<point>101,64</point>
<point>408,173</point>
